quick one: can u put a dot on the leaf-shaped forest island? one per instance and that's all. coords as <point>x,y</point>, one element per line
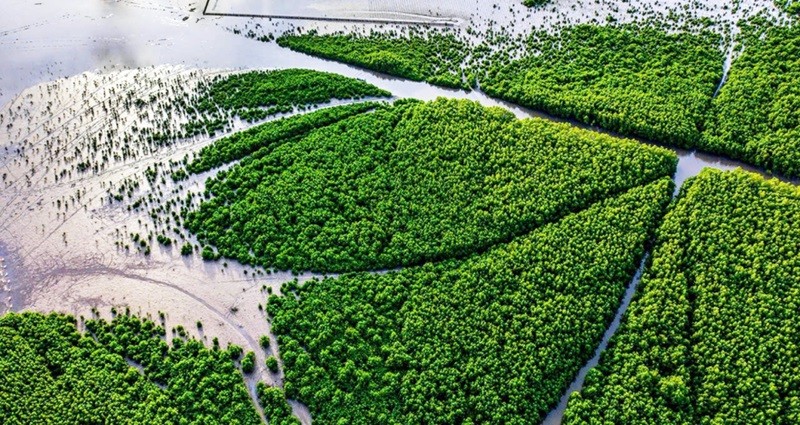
<point>383,212</point>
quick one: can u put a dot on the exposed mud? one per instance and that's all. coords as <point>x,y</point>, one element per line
<point>61,235</point>
<point>60,227</point>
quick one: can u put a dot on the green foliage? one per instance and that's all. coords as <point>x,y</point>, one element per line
<point>756,116</point>
<point>164,240</point>
<point>282,90</point>
<point>264,137</point>
<point>633,79</point>
<point>412,183</point>
<point>179,175</point>
<point>51,373</point>
<point>790,6</point>
<point>433,57</point>
<point>249,362</point>
<point>276,409</point>
<point>272,364</point>
<point>187,249</point>
<point>712,336</point>
<point>255,95</point>
<point>235,352</point>
<point>209,254</point>
<point>494,338</point>
<point>532,3</point>
<point>264,341</point>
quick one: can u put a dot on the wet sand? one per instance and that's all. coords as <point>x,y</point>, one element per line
<point>59,232</point>
<point>62,234</point>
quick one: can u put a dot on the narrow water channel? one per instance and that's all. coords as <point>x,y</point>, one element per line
<point>67,38</point>
<point>556,415</point>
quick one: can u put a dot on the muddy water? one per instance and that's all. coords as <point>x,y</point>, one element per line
<point>62,236</point>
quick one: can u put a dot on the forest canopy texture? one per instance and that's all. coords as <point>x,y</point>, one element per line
<point>433,57</point>
<point>635,79</point>
<point>410,183</point>
<point>638,80</point>
<point>712,335</point>
<point>117,372</point>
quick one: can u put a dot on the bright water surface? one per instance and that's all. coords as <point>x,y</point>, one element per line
<point>49,39</point>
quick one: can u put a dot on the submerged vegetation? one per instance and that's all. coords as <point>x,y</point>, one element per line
<point>433,57</point>
<point>411,183</point>
<point>255,95</point>
<point>121,371</point>
<point>495,338</point>
<point>712,336</point>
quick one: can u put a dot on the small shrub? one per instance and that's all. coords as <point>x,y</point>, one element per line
<point>272,364</point>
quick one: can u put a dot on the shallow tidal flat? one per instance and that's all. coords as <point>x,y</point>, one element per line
<point>60,229</point>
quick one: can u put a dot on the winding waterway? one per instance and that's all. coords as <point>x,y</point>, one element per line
<point>52,39</point>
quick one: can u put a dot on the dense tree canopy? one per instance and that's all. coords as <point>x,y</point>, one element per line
<point>433,57</point>
<point>54,374</point>
<point>255,95</point>
<point>412,183</point>
<point>276,408</point>
<point>270,134</point>
<point>756,116</point>
<point>283,89</point>
<point>494,338</point>
<point>713,335</point>
<point>633,79</point>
